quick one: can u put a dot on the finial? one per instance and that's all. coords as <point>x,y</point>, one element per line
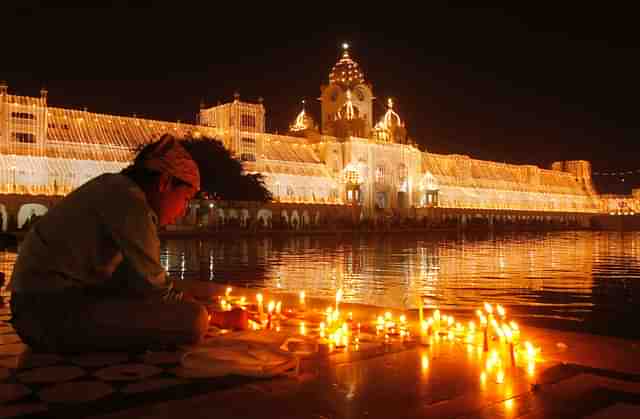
<point>345,48</point>
<point>390,103</point>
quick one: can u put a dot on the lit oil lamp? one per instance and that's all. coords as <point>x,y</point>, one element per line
<point>516,332</point>
<point>260,308</point>
<point>338,299</point>
<point>379,324</point>
<point>436,320</point>
<point>303,305</point>
<point>509,337</point>
<point>270,308</point>
<point>484,324</point>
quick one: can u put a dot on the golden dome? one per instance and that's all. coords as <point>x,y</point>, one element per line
<point>346,71</point>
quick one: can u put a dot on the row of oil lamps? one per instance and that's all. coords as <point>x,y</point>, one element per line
<point>334,331</point>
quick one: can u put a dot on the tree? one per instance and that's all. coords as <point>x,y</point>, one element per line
<point>222,175</point>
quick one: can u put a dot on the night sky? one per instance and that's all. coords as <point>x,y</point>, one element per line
<point>519,86</point>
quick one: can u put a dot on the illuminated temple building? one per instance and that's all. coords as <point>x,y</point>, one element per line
<point>351,156</point>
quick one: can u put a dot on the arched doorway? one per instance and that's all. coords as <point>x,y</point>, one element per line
<point>29,213</point>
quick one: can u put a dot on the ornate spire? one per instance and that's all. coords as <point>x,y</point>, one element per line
<point>346,71</point>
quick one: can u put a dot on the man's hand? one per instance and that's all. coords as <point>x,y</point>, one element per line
<point>236,319</point>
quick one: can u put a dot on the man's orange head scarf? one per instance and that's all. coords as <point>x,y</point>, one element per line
<point>170,157</point>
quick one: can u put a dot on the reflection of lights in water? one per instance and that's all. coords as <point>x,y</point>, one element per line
<point>211,273</point>
<point>380,281</point>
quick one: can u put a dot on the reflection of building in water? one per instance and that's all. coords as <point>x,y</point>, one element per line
<point>534,270</point>
<point>349,158</point>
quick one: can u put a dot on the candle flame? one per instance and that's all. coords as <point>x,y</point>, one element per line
<point>259,298</point>
<point>271,306</point>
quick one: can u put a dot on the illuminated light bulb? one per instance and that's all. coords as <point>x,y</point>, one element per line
<point>302,298</point>
<point>303,329</point>
<point>501,311</point>
<point>483,377</point>
<point>227,292</point>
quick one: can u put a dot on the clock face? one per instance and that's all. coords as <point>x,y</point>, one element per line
<point>334,95</point>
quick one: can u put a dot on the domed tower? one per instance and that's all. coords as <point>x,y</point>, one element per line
<point>347,101</point>
<point>303,125</point>
<point>390,129</point>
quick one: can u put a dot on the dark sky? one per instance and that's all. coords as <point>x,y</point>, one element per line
<point>521,86</point>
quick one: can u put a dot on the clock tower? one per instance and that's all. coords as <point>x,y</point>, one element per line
<point>347,101</point>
